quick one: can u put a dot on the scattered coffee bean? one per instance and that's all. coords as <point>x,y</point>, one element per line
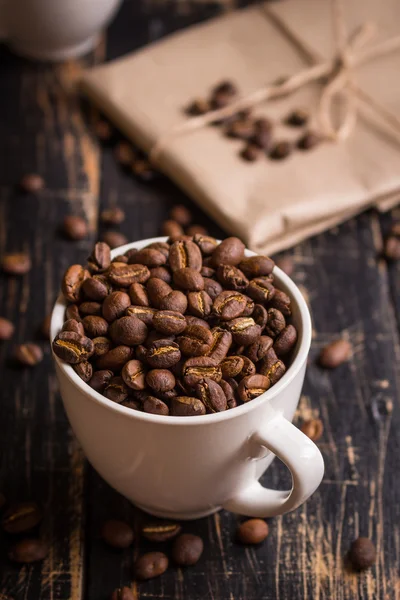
<point>160,532</point>
<point>112,216</point>
<point>242,129</point>
<point>187,549</point>
<point>362,553</point>
<point>392,248</point>
<point>251,152</point>
<point>31,183</point>
<point>6,329</point>
<point>151,565</point>
<point>297,118</point>
<point>395,228</point>
<point>28,354</point>
<point>114,239</point>
<point>21,517</point>
<point>335,354</point>
<point>28,551</point>
<point>252,531</point>
<point>123,593</point>
<point>308,141</point>
<point>18,263</point>
<point>117,534</point>
<point>75,228</point>
<point>280,150</point>
<point>226,87</point>
<point>313,429</point>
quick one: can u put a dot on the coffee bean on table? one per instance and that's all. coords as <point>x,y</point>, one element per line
<point>84,369</point>
<point>169,322</point>
<point>362,554</point>
<point>253,386</point>
<point>28,551</point>
<point>160,380</point>
<point>115,358</point>
<point>116,390</point>
<point>171,228</point>
<point>28,354</point>
<point>280,150</point>
<point>72,282</point>
<point>75,228</point>
<point>151,565</point>
<point>18,263</point>
<point>187,406</point>
<point>183,255</point>
<point>6,329</point>
<point>187,549</point>
<point>195,341</point>
<point>313,429</point>
<point>229,252</point>
<point>200,367</point>
<point>31,183</point>
<point>100,380</point>
<point>21,517</point>
<point>260,290</point>
<point>252,531</point>
<point>211,395</point>
<point>72,347</point>
<point>141,168</point>
<point>117,534</point>
<point>163,354</point>
<point>335,354</point>
<point>123,593</point>
<point>286,340</point>
<point>155,406</point>
<point>101,345</point>
<point>114,239</point>
<point>160,532</point>
<point>112,216</point>
<point>115,305</point>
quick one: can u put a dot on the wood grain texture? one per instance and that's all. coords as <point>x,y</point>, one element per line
<point>351,292</point>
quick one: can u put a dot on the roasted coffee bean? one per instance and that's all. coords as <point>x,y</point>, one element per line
<point>90,308</point>
<point>229,394</point>
<point>72,282</point>
<point>362,554</point>
<point>112,216</point>
<point>94,326</point>
<point>100,380</point>
<point>195,341</point>
<point>262,138</point>
<point>179,238</point>
<point>155,406</point>
<point>130,255</point>
<point>114,239</point>
<point>160,532</point>
<point>199,304</point>
<point>157,289</point>
<point>282,302</point>
<point>185,254</point>
<point>18,263</point>
<point>138,295</point>
<point>244,330</point>
<point>181,215</point>
<point>21,517</point>
<point>100,259</point>
<point>117,534</point>
<point>161,273</point>
<point>6,329</point>
<point>162,247</point>
<point>297,118</point>
<point>101,346</point>
<point>191,320</point>
<point>169,322</point>
<point>232,278</point>
<point>149,257</point>
<point>171,228</point>
<point>186,406</point>
<point>261,289</point>
<point>229,252</point>
<point>258,349</point>
<point>72,347</point>
<point>72,312</point>
<point>231,366</point>
<point>280,150</point>
<point>188,279</point>
<point>208,272</point>
<point>122,275</point>
<point>187,549</point>
<point>156,336</point>
<point>143,313</point>
<point>242,129</point>
<point>193,230</point>
<point>120,258</point>
<point>73,325</point>
<point>123,593</point>
<point>28,551</point>
<point>335,354</point>
<point>151,565</point>
<point>115,305</point>
<point>285,341</point>
<point>141,352</point>
<point>308,141</point>
<point>256,266</point>
<point>212,287</point>
<point>128,331</point>
<point>272,367</point>
<point>229,305</point>
<point>84,369</point>
<point>251,152</point>
<point>160,380</point>
<point>276,322</point>
<point>248,369</point>
<point>252,531</point>
<point>260,316</point>
<point>248,311</point>
<point>134,375</point>
<point>31,183</point>
<point>132,404</point>
<point>115,358</point>
<point>206,243</point>
<point>211,395</point>
<point>96,288</point>
<point>116,390</point>
<point>226,87</point>
<point>200,367</point>
<point>75,228</point>
<point>253,386</point>
<point>163,354</point>
<point>313,428</point>
<point>221,343</point>
<point>28,354</point>
<point>175,301</point>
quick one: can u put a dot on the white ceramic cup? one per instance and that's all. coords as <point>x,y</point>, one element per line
<point>54,30</point>
<point>190,467</point>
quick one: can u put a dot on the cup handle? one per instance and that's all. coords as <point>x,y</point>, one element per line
<point>299,454</point>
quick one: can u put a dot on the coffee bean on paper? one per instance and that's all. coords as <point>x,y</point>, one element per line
<point>362,553</point>
<point>187,549</point>
<point>28,354</point>
<point>21,517</point>
<point>6,329</point>
<point>160,532</point>
<point>313,429</point>
<point>151,565</point>
<point>31,183</point>
<point>28,551</point>
<point>123,593</point>
<point>335,354</point>
<point>18,263</point>
<point>75,228</point>
<point>117,534</point>
<point>252,531</point>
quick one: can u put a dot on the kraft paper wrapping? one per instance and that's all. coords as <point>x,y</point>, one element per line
<point>271,205</point>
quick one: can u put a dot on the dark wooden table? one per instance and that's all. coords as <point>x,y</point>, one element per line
<point>351,291</point>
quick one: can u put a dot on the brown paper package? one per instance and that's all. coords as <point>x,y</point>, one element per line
<point>271,205</point>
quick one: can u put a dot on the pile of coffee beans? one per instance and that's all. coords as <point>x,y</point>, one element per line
<point>183,327</point>
<point>256,133</point>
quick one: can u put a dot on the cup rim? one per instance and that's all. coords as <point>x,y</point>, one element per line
<point>57,319</point>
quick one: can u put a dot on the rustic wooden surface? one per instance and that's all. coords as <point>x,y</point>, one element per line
<point>351,292</point>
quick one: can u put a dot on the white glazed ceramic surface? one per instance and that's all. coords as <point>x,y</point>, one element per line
<point>54,29</point>
<point>186,468</point>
